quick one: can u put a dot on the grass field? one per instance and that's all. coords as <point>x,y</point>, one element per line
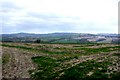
<point>61,61</point>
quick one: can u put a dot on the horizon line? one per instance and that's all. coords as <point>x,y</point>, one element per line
<point>56,32</point>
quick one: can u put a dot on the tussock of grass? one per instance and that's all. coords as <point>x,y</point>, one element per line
<point>5,58</point>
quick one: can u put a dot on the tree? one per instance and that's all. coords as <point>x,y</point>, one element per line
<point>38,41</point>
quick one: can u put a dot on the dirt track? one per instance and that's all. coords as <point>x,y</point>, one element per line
<point>19,63</point>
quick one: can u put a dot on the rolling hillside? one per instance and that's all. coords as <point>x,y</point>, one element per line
<point>60,38</point>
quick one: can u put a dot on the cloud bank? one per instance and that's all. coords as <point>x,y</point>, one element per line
<point>48,16</point>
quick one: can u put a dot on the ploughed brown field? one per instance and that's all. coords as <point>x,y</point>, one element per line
<point>60,61</point>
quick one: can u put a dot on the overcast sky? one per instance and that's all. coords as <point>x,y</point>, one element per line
<point>49,16</point>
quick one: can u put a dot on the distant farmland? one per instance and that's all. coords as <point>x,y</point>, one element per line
<point>61,61</point>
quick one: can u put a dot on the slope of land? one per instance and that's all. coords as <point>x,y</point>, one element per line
<point>61,38</point>
<point>60,61</point>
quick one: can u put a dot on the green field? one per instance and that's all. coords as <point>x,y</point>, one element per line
<point>61,61</point>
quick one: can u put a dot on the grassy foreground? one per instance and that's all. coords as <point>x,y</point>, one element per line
<point>61,61</point>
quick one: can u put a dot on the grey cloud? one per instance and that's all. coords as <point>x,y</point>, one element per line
<point>28,25</point>
<point>8,6</point>
<point>42,27</point>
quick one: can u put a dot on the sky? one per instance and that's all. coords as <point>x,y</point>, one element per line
<point>49,16</point>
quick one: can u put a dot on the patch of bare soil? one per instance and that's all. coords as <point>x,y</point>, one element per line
<point>102,46</point>
<point>19,63</point>
<point>74,62</point>
<point>90,57</point>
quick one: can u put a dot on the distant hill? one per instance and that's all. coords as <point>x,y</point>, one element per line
<point>60,38</point>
